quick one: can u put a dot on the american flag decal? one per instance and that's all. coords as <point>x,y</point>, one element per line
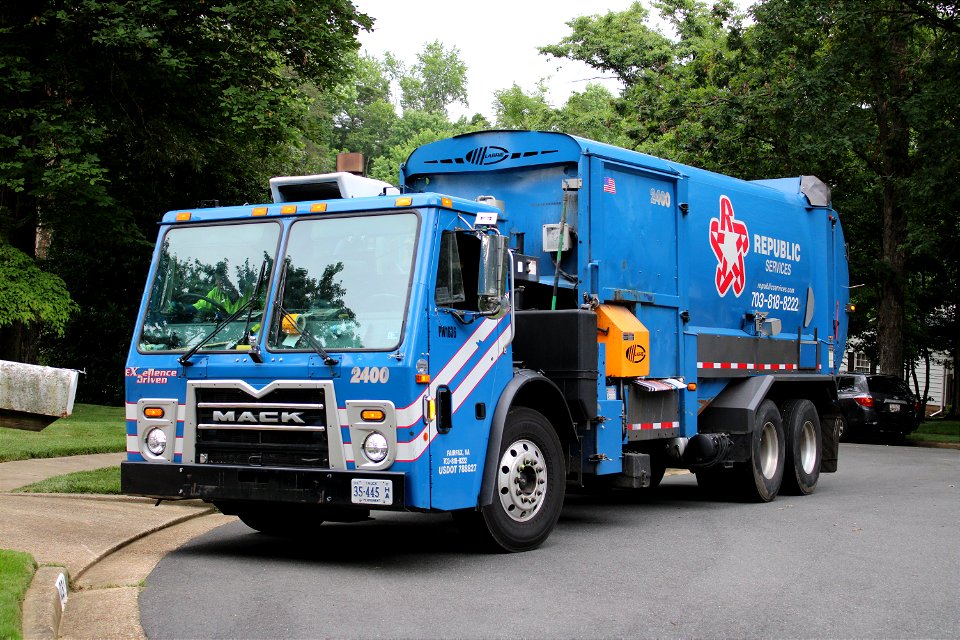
<point>609,186</point>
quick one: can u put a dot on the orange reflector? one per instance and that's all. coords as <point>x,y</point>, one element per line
<point>372,415</point>
<point>183,216</point>
<point>431,410</point>
<point>691,386</point>
<point>405,201</point>
<point>319,207</point>
<point>288,208</point>
<point>851,308</point>
<point>423,378</point>
<point>259,211</point>
<point>153,412</point>
<point>446,202</point>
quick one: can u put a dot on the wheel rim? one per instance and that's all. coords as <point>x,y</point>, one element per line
<point>522,480</point>
<point>808,447</point>
<point>768,450</point>
<point>839,427</point>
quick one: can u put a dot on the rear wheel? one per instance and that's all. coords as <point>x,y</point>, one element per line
<point>762,474</point>
<point>804,446</point>
<point>530,486</point>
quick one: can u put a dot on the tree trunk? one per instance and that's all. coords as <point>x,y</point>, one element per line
<point>18,343</point>
<point>894,142</point>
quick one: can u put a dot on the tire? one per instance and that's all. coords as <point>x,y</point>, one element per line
<point>657,469</point>
<point>843,431</point>
<point>530,485</point>
<point>804,447</point>
<point>762,474</point>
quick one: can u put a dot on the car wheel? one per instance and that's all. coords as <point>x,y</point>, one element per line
<point>843,431</point>
<point>803,445</point>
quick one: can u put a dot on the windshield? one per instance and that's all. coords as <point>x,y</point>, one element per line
<point>206,274</point>
<point>347,282</point>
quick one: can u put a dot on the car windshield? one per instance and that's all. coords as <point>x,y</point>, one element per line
<point>346,282</point>
<point>205,275</point>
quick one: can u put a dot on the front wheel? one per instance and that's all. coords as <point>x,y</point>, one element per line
<point>530,485</point>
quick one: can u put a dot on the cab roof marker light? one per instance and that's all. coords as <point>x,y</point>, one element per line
<point>446,202</point>
<point>404,201</point>
<point>183,216</point>
<point>259,211</point>
<point>288,208</point>
<point>319,207</point>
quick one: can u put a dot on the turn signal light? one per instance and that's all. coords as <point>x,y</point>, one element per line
<point>423,378</point>
<point>153,412</point>
<point>372,415</point>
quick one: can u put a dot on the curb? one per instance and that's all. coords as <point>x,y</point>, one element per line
<point>43,604</point>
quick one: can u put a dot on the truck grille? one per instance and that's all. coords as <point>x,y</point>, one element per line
<point>286,427</point>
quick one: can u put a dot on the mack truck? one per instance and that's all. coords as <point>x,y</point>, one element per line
<point>525,313</point>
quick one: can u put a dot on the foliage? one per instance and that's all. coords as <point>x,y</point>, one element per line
<point>99,481</point>
<point>113,112</point>
<point>91,429</point>
<point>30,295</point>
<point>16,572</point>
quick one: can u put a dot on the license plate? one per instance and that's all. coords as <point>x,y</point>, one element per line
<point>364,491</point>
<point>894,408</point>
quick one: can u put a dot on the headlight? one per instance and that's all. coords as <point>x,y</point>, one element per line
<point>375,447</point>
<point>156,441</point>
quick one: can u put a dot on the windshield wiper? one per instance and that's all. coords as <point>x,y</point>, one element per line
<point>279,313</point>
<point>248,305</point>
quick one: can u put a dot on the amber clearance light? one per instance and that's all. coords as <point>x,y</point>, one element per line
<point>372,415</point>
<point>153,412</point>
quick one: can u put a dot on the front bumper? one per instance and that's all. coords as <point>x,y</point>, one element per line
<point>214,483</point>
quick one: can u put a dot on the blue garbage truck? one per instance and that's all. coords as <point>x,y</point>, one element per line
<point>526,312</point>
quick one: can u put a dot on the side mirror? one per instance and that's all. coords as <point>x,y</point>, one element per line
<point>492,279</point>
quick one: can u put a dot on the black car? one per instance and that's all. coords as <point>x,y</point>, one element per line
<point>877,405</point>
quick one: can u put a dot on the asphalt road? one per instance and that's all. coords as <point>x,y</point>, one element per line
<point>875,552</point>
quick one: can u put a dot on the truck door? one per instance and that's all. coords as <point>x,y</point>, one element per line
<point>468,361</point>
<point>634,245</point>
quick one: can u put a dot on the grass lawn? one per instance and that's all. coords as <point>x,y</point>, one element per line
<point>16,571</point>
<point>91,429</point>
<point>937,431</point>
<point>106,480</point>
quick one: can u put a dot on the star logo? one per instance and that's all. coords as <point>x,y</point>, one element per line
<point>730,242</point>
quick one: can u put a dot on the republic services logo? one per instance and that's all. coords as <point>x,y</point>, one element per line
<point>730,242</point>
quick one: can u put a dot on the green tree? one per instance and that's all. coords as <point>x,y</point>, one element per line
<point>437,80</point>
<point>113,112</point>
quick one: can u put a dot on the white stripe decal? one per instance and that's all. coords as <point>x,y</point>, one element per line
<point>410,451</point>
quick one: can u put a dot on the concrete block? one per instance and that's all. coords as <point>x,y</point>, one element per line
<point>33,396</point>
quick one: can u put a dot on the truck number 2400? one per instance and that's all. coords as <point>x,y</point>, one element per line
<point>369,374</point>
